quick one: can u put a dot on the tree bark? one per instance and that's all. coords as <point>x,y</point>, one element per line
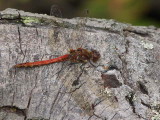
<point>77,91</point>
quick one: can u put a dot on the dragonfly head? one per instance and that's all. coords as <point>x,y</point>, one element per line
<point>95,55</point>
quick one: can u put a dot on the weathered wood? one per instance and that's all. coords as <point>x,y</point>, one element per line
<point>76,91</point>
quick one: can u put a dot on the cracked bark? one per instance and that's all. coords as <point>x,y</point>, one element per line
<point>52,91</point>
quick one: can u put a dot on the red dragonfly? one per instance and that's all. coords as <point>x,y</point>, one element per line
<point>79,55</point>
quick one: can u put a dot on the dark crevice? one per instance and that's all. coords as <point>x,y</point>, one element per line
<point>30,98</point>
<point>142,87</point>
<point>13,109</point>
<point>124,71</point>
<point>55,101</point>
<point>93,105</point>
<point>76,88</point>
<point>9,20</point>
<point>127,46</point>
<point>76,82</point>
<point>29,101</point>
<point>15,20</point>
<point>129,98</point>
<point>20,41</point>
<point>140,33</point>
<point>113,116</point>
<point>147,105</point>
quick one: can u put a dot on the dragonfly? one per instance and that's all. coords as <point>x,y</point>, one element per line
<point>79,55</point>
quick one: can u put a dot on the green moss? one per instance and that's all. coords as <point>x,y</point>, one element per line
<point>31,20</point>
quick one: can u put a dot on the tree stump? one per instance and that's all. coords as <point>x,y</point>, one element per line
<point>77,91</point>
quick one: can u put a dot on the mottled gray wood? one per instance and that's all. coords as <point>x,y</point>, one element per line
<point>48,92</point>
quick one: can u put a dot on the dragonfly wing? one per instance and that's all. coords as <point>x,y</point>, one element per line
<point>55,11</point>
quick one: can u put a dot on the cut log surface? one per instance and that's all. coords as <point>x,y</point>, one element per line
<point>77,91</point>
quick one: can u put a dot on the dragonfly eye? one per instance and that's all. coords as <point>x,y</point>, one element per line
<point>95,55</point>
<point>79,49</point>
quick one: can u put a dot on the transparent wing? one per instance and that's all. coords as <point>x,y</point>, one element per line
<point>80,29</point>
<point>55,11</point>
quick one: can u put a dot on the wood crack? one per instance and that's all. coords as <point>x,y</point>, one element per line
<point>13,109</point>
